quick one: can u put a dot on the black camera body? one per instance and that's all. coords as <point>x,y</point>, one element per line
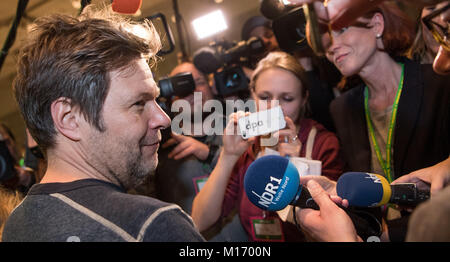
<point>290,31</point>
<point>288,25</point>
<point>230,58</point>
<point>230,81</point>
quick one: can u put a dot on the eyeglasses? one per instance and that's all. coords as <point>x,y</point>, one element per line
<point>439,32</point>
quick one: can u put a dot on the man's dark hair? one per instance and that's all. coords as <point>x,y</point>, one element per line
<point>71,58</point>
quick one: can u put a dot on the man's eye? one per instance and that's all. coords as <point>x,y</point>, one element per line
<point>139,103</point>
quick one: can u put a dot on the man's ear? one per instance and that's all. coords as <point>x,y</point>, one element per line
<point>66,118</point>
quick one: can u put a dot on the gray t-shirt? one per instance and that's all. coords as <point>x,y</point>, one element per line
<point>92,210</point>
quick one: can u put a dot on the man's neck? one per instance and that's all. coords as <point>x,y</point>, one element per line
<point>66,166</point>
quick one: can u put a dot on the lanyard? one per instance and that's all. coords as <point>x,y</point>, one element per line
<point>385,164</point>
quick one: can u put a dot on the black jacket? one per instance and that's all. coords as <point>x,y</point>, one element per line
<point>421,135</point>
<point>422,129</point>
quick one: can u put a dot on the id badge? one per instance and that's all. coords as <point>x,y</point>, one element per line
<point>267,229</point>
<point>199,182</point>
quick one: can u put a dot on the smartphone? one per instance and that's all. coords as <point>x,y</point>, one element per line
<point>262,123</point>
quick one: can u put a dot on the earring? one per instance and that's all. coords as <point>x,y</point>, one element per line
<point>378,35</point>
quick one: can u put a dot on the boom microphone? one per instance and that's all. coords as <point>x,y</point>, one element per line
<point>272,182</point>
<point>126,6</point>
<point>207,60</point>
<point>369,190</point>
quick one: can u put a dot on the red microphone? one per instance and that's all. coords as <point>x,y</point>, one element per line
<point>126,6</point>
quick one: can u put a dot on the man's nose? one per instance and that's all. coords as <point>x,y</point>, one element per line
<point>159,119</point>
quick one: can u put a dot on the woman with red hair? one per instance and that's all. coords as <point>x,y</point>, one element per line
<point>397,120</point>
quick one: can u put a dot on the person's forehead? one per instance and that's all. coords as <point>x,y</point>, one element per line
<point>188,68</point>
<point>184,68</point>
<point>136,77</point>
<point>268,77</point>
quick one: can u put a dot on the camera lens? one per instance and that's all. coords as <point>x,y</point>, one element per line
<point>166,89</point>
<point>180,85</point>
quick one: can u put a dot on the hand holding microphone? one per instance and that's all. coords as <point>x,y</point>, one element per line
<point>433,178</point>
<point>330,223</point>
<point>272,183</point>
<point>371,190</point>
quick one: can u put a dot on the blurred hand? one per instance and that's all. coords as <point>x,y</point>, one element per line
<point>433,178</point>
<point>286,146</point>
<point>186,146</point>
<point>330,223</point>
<point>233,144</point>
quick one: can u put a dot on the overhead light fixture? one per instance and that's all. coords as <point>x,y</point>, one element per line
<point>209,24</point>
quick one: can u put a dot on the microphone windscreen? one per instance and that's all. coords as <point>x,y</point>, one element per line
<point>271,182</point>
<point>206,60</point>
<point>363,189</point>
<point>126,6</point>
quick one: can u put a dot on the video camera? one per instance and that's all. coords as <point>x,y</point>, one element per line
<point>288,25</point>
<point>230,58</point>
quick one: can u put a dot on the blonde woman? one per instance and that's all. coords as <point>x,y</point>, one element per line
<point>278,77</point>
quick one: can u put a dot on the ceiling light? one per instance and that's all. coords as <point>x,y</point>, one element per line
<point>209,24</point>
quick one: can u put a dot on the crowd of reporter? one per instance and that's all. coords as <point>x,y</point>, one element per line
<point>394,122</point>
